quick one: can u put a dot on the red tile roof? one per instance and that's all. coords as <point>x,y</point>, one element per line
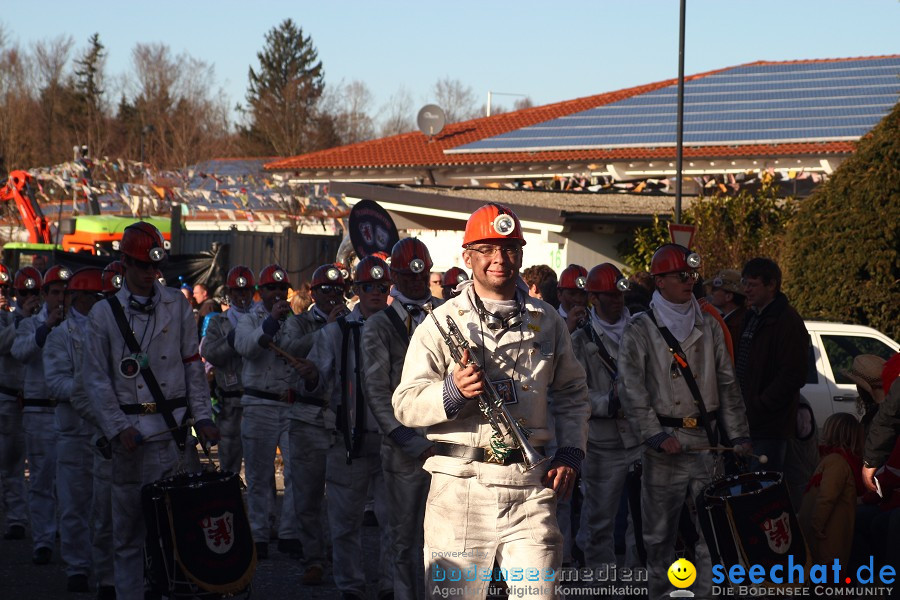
<point>414,149</point>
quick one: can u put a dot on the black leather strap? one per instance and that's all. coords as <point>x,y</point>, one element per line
<point>178,433</point>
<point>681,360</point>
<point>354,433</point>
<point>152,408</point>
<point>39,402</point>
<point>477,454</point>
<point>608,361</point>
<point>10,391</point>
<point>398,324</point>
<point>280,397</point>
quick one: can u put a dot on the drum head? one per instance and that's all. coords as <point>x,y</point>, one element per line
<point>371,229</point>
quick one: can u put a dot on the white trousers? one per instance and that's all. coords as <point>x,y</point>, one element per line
<point>74,487</point>
<point>12,462</point>
<point>40,450</point>
<point>309,445</point>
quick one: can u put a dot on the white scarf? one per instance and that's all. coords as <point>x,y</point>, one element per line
<point>234,313</point>
<point>679,318</point>
<point>418,318</point>
<point>79,320</point>
<point>611,330</point>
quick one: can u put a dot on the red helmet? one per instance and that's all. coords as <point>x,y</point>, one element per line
<point>327,275</point>
<point>27,278</point>
<point>371,268</point>
<point>453,276</point>
<point>273,274</point>
<point>4,275</point>
<point>345,272</point>
<point>87,279</point>
<point>493,222</point>
<point>573,277</point>
<point>113,275</point>
<point>382,255</point>
<point>239,277</point>
<point>142,241</point>
<point>671,258</point>
<point>57,273</point>
<point>606,278</point>
<point>410,255</point>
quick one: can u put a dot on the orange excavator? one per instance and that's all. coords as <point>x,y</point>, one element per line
<point>19,187</point>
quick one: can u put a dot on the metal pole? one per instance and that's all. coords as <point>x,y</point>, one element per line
<point>679,141</point>
<point>489,105</point>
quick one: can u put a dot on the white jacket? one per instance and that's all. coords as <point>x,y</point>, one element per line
<point>168,337</point>
<point>651,384</point>
<point>10,367</point>
<point>537,356</point>
<point>263,369</point>
<point>26,350</point>
<point>63,353</point>
<point>605,430</point>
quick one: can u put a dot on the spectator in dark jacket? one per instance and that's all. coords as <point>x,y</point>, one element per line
<point>771,360</point>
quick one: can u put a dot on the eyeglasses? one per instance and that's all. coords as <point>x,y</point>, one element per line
<point>511,251</point>
<point>141,264</point>
<point>331,289</point>
<point>685,276</point>
<point>368,288</point>
<point>275,287</point>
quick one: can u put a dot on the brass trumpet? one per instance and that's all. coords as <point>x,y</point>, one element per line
<point>490,403</point>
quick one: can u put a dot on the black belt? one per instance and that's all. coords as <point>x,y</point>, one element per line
<point>152,408</point>
<point>231,394</point>
<point>478,454</point>
<point>296,397</point>
<point>10,391</point>
<point>40,402</point>
<point>279,397</point>
<point>684,422</point>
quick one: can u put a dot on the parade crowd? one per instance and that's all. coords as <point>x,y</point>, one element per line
<point>489,419</point>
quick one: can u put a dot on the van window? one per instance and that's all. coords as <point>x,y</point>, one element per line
<point>840,350</point>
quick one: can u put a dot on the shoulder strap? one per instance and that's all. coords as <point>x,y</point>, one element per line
<point>353,432</point>
<point>681,360</point>
<point>179,433</point>
<point>397,322</point>
<point>608,361</point>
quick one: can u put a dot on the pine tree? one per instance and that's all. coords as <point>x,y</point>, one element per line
<point>844,243</point>
<point>284,92</point>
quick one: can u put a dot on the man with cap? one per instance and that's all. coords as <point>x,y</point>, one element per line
<point>143,367</point>
<point>770,361</point>
<point>727,295</point>
<point>386,338</point>
<point>662,353</point>
<point>217,348</point>
<point>39,408</point>
<point>354,460</point>
<point>572,297</point>
<point>613,446</point>
<point>63,353</point>
<point>484,504</point>
<point>311,420</point>
<point>26,283</point>
<point>268,382</point>
<point>452,278</point>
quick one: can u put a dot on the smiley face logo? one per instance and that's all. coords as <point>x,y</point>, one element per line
<point>682,573</point>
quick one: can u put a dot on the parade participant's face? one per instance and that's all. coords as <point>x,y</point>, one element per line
<point>758,294</point>
<point>414,286</point>
<point>271,293</point>
<point>372,296</point>
<point>677,288</point>
<point>608,305</point>
<point>328,296</point>
<point>242,298</point>
<point>84,301</point>
<point>54,295</point>
<point>139,276</point>
<point>435,284</point>
<point>720,298</point>
<point>495,268</point>
<point>569,298</point>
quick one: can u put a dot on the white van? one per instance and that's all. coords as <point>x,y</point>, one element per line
<point>832,349</point>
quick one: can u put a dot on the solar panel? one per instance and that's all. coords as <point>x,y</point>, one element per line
<point>778,103</point>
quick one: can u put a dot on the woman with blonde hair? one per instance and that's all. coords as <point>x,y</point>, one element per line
<point>828,511</point>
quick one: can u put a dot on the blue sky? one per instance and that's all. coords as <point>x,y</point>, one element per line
<point>550,51</point>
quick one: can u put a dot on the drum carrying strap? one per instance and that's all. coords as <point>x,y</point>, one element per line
<point>402,329</point>
<point>354,433</point>
<point>179,433</point>
<point>681,360</point>
<point>608,361</point>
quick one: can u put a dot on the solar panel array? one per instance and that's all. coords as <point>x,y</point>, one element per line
<point>754,104</point>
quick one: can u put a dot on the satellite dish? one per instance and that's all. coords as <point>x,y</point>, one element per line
<point>431,119</point>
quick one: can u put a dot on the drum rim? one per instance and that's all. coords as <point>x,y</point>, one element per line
<point>773,477</point>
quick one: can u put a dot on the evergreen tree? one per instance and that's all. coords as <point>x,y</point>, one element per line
<point>844,244</point>
<point>284,92</point>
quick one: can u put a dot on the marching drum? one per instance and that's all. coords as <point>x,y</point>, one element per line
<point>748,519</point>
<point>198,535</point>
